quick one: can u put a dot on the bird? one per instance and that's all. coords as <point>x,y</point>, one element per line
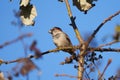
<point>61,39</point>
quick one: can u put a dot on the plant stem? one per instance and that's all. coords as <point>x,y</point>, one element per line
<point>81,41</point>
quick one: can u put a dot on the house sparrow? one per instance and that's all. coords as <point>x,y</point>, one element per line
<point>61,39</point>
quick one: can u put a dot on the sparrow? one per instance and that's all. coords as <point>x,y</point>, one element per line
<point>61,39</point>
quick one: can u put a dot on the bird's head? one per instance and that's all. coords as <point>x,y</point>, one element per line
<point>55,30</point>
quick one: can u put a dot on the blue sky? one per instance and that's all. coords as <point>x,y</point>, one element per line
<point>53,13</point>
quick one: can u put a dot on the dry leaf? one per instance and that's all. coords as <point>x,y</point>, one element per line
<point>117,28</point>
<point>24,2</point>
<point>35,49</point>
<point>83,5</point>
<point>117,33</point>
<point>28,14</point>
<point>1,61</point>
<point>33,45</point>
<point>27,67</point>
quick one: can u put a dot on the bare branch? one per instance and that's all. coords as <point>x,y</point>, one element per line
<point>104,49</point>
<point>81,41</point>
<point>108,63</point>
<point>110,43</point>
<point>73,24</point>
<point>15,40</point>
<point>63,48</point>
<point>65,75</point>
<point>99,48</point>
<point>99,73</point>
<point>100,26</point>
<point>79,47</point>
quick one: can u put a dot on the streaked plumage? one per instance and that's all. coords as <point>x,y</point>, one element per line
<point>61,39</point>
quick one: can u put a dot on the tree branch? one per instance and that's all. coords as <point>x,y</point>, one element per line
<point>81,41</point>
<point>104,49</point>
<point>15,40</point>
<point>108,63</point>
<point>65,75</point>
<point>73,24</point>
<point>100,26</point>
<point>62,48</point>
<point>107,44</point>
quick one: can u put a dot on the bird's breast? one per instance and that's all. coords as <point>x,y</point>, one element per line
<point>60,40</point>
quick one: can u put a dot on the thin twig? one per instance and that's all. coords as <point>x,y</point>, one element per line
<point>99,73</point>
<point>68,8</point>
<point>24,47</point>
<point>100,26</point>
<point>107,44</point>
<point>99,48</point>
<point>88,77</point>
<point>15,40</point>
<point>65,75</point>
<point>108,63</point>
<point>104,49</point>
